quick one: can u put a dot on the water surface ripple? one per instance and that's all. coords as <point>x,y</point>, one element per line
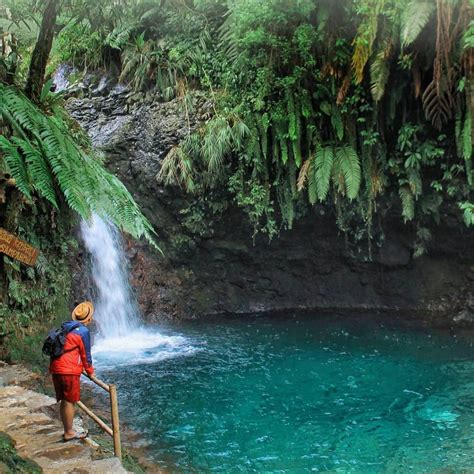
<point>319,394</point>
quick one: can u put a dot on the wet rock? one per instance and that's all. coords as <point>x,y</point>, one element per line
<point>111,465</point>
<point>223,270</point>
<point>394,254</point>
<point>464,316</point>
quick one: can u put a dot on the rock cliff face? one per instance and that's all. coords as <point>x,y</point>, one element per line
<point>221,270</point>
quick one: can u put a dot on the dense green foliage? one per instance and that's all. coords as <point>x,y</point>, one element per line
<point>36,295</point>
<point>42,148</point>
<point>44,156</point>
<point>357,107</point>
<point>47,170</point>
<point>356,104</point>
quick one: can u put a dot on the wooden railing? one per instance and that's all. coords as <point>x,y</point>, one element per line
<point>115,430</point>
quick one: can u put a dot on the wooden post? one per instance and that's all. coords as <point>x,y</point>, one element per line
<point>95,418</point>
<point>115,420</point>
<point>98,382</point>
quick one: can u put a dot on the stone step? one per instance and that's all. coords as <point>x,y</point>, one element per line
<point>39,437</point>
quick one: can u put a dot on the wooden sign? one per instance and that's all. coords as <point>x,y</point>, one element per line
<point>17,248</point>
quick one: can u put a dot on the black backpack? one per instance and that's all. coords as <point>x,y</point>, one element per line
<point>53,345</point>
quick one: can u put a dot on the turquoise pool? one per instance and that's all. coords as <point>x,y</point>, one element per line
<point>298,394</point>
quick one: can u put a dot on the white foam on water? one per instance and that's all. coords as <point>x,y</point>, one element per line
<point>140,347</point>
<point>121,338</point>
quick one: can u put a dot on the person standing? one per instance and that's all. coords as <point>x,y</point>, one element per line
<point>66,369</point>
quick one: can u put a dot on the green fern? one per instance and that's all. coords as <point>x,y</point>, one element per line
<point>16,166</point>
<point>323,165</point>
<point>467,136</point>
<point>177,169</point>
<point>120,35</point>
<point>39,170</point>
<point>228,38</point>
<point>414,18</point>
<point>43,157</point>
<point>348,165</point>
<point>312,187</point>
<point>379,72</point>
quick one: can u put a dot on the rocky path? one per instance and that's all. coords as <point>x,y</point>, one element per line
<point>26,416</point>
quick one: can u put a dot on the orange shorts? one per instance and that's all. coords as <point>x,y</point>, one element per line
<point>67,387</point>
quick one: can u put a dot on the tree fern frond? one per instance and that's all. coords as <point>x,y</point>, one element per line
<point>323,166</point>
<point>349,166</point>
<point>414,18</point>
<point>16,166</point>
<point>228,39</point>
<point>42,156</point>
<point>379,72</point>
<point>38,169</point>
<point>120,35</point>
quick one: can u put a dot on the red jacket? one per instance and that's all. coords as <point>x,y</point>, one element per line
<point>77,353</point>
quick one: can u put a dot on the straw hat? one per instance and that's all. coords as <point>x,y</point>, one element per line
<point>83,312</point>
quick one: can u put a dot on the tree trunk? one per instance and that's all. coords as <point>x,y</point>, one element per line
<point>41,52</point>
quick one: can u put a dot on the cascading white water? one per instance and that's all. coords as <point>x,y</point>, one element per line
<point>116,311</point>
<point>121,338</point>
<point>60,77</point>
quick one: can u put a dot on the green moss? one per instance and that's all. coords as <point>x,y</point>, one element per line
<point>11,462</point>
<point>26,347</point>
<point>129,462</point>
<point>36,298</point>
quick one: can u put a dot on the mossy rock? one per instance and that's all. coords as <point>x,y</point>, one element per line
<point>10,462</point>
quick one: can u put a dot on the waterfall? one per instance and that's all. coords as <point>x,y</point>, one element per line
<point>116,310</point>
<point>60,77</point>
<point>121,337</point>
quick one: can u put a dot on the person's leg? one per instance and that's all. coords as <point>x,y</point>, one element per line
<point>67,417</point>
<point>68,391</point>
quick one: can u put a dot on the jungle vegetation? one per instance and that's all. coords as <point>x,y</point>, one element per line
<point>357,108</point>
<point>361,108</point>
<point>49,174</point>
